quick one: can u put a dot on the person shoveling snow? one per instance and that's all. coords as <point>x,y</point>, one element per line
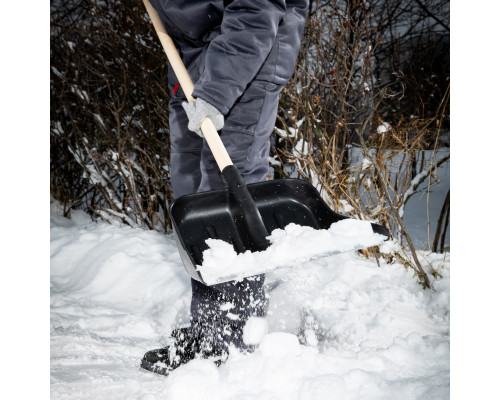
<point>240,55</point>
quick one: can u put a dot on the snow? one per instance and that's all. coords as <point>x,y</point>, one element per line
<point>81,93</point>
<point>384,127</point>
<point>365,164</point>
<point>98,119</point>
<point>337,327</point>
<point>289,247</point>
<point>255,330</point>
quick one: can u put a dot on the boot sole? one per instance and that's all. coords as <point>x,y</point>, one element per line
<point>153,367</point>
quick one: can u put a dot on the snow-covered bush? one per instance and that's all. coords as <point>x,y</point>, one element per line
<point>359,120</point>
<point>109,117</point>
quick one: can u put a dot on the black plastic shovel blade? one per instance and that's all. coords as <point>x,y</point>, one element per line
<point>201,216</point>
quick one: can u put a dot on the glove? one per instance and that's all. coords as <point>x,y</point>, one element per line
<point>197,111</point>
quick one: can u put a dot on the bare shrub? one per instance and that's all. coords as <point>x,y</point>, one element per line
<point>347,123</point>
<point>109,121</point>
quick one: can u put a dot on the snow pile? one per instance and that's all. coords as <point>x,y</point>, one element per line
<point>289,247</point>
<point>337,327</point>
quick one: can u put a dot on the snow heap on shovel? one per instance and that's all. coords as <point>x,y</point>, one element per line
<point>291,246</point>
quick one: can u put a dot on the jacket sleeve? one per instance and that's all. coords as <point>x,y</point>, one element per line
<point>233,59</point>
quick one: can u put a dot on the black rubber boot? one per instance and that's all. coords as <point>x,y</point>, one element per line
<point>220,312</point>
<point>185,347</point>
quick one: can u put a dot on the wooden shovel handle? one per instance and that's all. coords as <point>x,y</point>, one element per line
<point>207,127</point>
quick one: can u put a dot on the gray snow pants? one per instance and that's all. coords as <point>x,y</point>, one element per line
<point>219,312</point>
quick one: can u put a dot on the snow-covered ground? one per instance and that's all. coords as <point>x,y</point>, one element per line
<point>366,331</point>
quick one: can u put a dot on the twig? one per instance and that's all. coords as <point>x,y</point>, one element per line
<point>394,210</point>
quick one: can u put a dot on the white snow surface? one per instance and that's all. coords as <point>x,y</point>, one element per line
<point>289,247</point>
<point>366,331</point>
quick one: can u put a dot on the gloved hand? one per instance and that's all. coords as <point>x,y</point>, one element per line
<point>197,111</point>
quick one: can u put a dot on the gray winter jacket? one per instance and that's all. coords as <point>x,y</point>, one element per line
<point>238,41</point>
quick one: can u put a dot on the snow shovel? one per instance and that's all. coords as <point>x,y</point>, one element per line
<point>242,215</point>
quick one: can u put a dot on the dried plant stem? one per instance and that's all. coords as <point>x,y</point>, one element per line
<point>367,153</point>
<point>445,210</point>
